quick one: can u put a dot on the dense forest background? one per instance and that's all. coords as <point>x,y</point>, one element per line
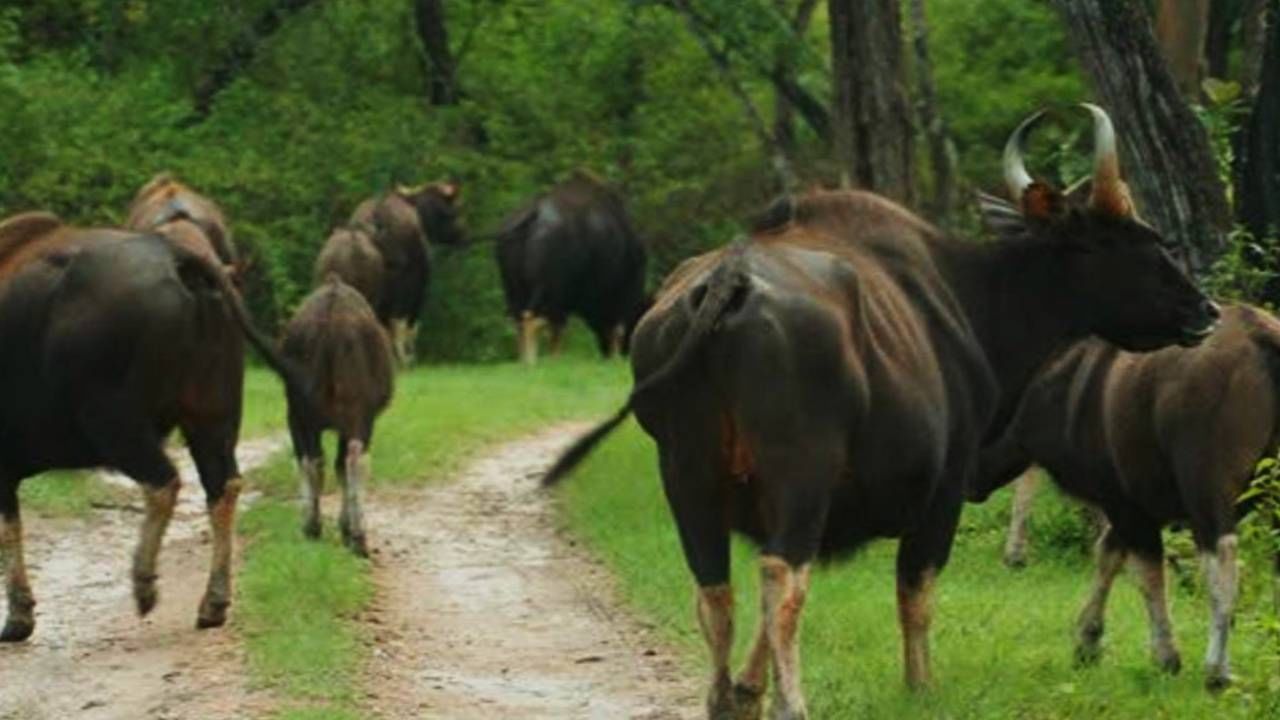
<point>289,112</point>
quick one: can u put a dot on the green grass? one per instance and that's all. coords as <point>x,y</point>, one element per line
<point>296,598</point>
<point>69,493</point>
<point>1001,639</point>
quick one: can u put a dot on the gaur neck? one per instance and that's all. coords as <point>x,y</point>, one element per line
<point>1018,304</point>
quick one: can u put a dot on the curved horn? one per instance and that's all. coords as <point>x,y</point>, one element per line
<point>1016,176</point>
<point>1109,191</point>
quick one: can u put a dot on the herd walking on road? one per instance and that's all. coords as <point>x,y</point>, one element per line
<point>845,371</point>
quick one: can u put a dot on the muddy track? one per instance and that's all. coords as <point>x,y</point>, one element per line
<point>91,657</point>
<point>484,610</point>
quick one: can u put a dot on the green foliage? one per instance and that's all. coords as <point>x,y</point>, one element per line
<point>1242,272</point>
<point>96,97</point>
<point>995,62</point>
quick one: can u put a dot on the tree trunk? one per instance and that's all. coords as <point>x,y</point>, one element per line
<point>1258,184</point>
<point>1253,35</point>
<point>1181,28</point>
<point>873,129</point>
<point>439,67</point>
<point>1217,40</point>
<point>1166,152</point>
<point>935,130</point>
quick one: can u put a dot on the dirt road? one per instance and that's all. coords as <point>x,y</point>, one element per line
<point>91,657</point>
<point>485,611</point>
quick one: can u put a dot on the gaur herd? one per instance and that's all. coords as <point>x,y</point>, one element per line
<point>845,371</point>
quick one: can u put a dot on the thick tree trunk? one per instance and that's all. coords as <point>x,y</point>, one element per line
<point>1167,158</point>
<point>935,130</point>
<point>439,66</point>
<point>240,54</point>
<point>1258,184</point>
<point>873,128</point>
<point>1181,29</point>
<point>1217,41</point>
<point>1253,35</point>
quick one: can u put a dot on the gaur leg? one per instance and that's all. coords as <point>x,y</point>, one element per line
<point>1024,494</point>
<point>695,490</point>
<point>309,453</point>
<point>556,343</point>
<point>353,471</point>
<point>125,439</point>
<point>527,336</point>
<point>1110,556</point>
<point>1221,574</point>
<point>20,621</point>
<point>410,352</point>
<point>753,680</point>
<point>795,476</point>
<point>213,450</point>
<point>921,556</point>
<point>399,340</point>
<point>1148,561</point>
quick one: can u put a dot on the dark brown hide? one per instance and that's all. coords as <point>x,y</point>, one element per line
<point>350,254</point>
<point>345,358</point>
<point>111,340</point>
<point>573,251</point>
<point>1152,439</point>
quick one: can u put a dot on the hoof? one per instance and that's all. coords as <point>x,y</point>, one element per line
<point>1087,654</point>
<point>356,544</point>
<point>312,530</point>
<point>1217,682</point>
<point>1171,663</point>
<point>145,595</point>
<point>16,630</point>
<point>748,702</point>
<point>1016,561</point>
<point>213,613</point>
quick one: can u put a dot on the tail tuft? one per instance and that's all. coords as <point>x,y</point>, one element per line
<point>582,447</point>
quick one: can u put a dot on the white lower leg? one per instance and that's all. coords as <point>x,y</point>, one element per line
<point>715,618</point>
<point>915,613</point>
<point>399,331</point>
<point>1024,493</point>
<point>783,592</point>
<point>222,520</point>
<point>159,510</point>
<point>1151,583</point>
<point>352,517</point>
<point>312,487</point>
<point>20,619</point>
<point>1110,561</point>
<point>1220,572</point>
<point>527,330</point>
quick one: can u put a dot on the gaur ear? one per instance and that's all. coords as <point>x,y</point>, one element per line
<point>1002,218</point>
<point>1042,203</point>
<point>450,190</point>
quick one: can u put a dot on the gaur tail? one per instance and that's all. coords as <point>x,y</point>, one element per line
<point>214,276</point>
<point>722,290</point>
